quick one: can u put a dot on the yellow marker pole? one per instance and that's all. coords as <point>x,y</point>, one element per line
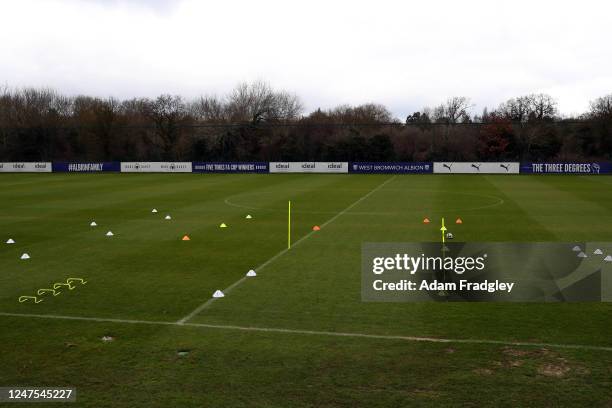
<point>443,229</point>
<point>289,227</point>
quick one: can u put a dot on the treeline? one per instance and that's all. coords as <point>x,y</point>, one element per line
<point>254,122</point>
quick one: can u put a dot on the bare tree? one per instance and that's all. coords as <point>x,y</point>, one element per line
<point>454,110</point>
<point>289,106</point>
<point>534,107</point>
<point>209,109</point>
<point>167,112</point>
<point>106,115</point>
<point>542,107</point>
<point>515,109</point>
<point>258,102</point>
<point>366,113</point>
<point>601,108</point>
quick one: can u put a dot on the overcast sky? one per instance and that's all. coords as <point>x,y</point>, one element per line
<point>403,54</point>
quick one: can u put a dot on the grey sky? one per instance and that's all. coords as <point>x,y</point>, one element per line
<point>402,54</point>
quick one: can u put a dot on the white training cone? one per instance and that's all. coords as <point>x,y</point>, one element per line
<point>576,249</point>
<point>608,258</point>
<point>25,256</point>
<point>218,294</point>
<point>10,241</point>
<point>598,252</point>
<point>109,234</point>
<point>168,217</point>
<point>93,224</point>
<point>248,217</point>
<point>582,255</point>
<point>251,273</point>
<point>154,210</point>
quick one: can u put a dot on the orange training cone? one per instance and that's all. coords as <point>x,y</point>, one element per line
<point>316,228</point>
<point>426,221</point>
<point>186,238</point>
<point>458,221</point>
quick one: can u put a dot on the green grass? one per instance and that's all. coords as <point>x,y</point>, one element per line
<point>145,272</point>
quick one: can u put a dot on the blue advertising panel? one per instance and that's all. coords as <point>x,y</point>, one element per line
<point>391,168</point>
<point>230,167</point>
<point>86,167</point>
<point>566,168</point>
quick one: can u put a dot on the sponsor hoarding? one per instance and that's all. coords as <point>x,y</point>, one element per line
<point>315,167</point>
<point>85,167</point>
<point>391,168</point>
<point>476,167</point>
<point>566,168</point>
<point>308,167</point>
<point>156,167</point>
<point>230,167</point>
<point>27,167</point>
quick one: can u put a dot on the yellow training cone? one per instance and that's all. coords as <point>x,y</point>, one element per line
<point>223,226</point>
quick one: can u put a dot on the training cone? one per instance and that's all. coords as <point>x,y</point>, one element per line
<point>582,255</point>
<point>186,238</point>
<point>25,256</point>
<point>218,294</point>
<point>167,217</point>
<point>154,210</point>
<point>248,217</point>
<point>576,249</point>
<point>93,224</point>
<point>10,241</point>
<point>426,221</point>
<point>598,252</point>
<point>223,225</point>
<point>109,234</point>
<point>251,273</point>
<point>459,221</point>
<point>316,228</point>
<point>608,258</point>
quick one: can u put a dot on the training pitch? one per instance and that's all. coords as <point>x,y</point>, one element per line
<point>297,334</point>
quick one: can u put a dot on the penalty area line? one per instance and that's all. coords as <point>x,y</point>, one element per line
<point>316,332</point>
<point>210,301</point>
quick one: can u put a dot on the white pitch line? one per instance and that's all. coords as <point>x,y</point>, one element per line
<point>317,332</point>
<point>88,319</point>
<point>210,301</point>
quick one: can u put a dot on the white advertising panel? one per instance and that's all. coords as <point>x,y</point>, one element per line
<point>156,167</point>
<point>29,167</point>
<point>308,167</point>
<point>476,167</point>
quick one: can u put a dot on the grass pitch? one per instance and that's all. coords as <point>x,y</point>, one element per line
<point>272,341</point>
